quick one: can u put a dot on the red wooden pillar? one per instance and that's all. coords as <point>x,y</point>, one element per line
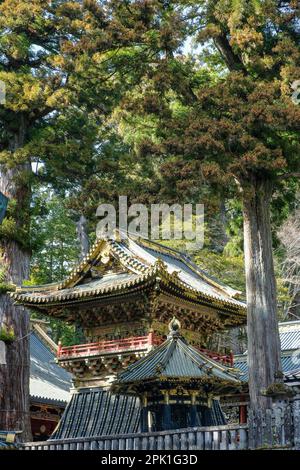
<point>151,338</point>
<point>243,413</point>
<point>59,349</point>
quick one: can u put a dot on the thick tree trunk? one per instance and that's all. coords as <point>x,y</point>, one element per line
<point>263,336</point>
<point>14,375</point>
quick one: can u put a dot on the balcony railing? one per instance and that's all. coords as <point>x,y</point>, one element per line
<point>226,359</point>
<point>134,343</point>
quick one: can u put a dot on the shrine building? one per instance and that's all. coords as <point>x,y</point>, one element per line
<point>147,313</point>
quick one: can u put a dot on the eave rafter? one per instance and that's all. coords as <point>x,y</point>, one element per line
<point>156,278</point>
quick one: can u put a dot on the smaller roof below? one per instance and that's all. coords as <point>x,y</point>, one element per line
<point>49,383</point>
<point>288,363</point>
<point>289,333</point>
<point>97,412</point>
<point>174,360</point>
<point>293,374</point>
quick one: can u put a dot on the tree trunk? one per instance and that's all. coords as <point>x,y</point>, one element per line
<point>14,376</point>
<point>15,259</point>
<point>263,337</point>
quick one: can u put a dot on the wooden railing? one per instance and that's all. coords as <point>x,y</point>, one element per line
<point>134,343</point>
<point>230,437</point>
<point>226,359</point>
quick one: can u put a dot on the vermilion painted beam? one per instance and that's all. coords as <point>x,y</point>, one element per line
<point>133,343</point>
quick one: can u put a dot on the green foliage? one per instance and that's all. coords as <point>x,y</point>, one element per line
<point>228,269</point>
<point>7,334</point>
<point>108,102</point>
<point>53,234</point>
<point>4,286</point>
<point>56,250</point>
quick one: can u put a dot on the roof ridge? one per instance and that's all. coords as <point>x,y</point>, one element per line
<point>45,338</point>
<point>209,360</point>
<point>191,264</point>
<point>144,359</point>
<point>169,351</point>
<point>159,268</point>
<point>78,268</point>
<point>132,262</point>
<point>158,365</point>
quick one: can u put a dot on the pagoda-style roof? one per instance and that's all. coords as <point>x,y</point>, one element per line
<point>177,362</point>
<point>127,266</point>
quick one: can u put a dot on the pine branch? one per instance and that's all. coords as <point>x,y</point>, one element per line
<point>232,60</point>
<point>289,175</point>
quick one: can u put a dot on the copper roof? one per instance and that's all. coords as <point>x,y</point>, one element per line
<point>128,264</point>
<point>49,383</point>
<point>176,360</point>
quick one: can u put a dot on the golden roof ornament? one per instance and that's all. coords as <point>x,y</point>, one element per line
<point>174,327</point>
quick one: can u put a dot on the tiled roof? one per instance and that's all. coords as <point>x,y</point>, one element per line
<point>292,375</point>
<point>289,335</point>
<point>175,359</point>
<point>288,362</point>
<point>108,283</point>
<point>139,261</point>
<point>98,412</point>
<point>187,271</point>
<point>49,382</point>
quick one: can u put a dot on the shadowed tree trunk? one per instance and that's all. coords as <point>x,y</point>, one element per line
<point>15,259</point>
<point>263,336</point>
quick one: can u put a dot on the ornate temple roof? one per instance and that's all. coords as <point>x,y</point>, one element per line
<point>175,361</point>
<point>125,265</point>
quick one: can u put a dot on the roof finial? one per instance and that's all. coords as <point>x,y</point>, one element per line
<point>174,327</point>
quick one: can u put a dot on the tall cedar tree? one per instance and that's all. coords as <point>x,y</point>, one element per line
<point>65,64</point>
<point>237,125</point>
<point>258,140</point>
<point>32,35</point>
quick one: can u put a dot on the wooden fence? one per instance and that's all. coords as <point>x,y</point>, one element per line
<point>276,428</point>
<point>205,438</point>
